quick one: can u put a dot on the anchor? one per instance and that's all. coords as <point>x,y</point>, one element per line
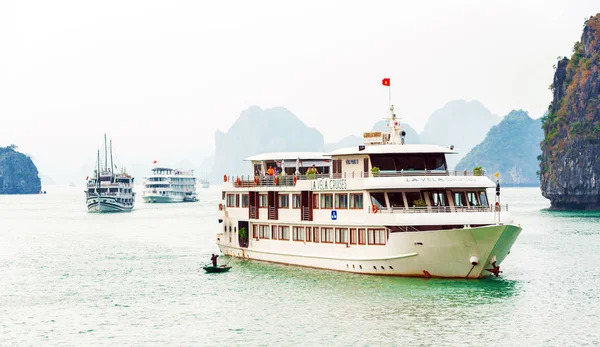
<point>495,270</point>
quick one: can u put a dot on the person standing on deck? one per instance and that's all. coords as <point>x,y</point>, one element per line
<point>270,171</point>
<point>214,259</point>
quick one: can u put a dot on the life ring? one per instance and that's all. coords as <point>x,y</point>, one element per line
<point>238,181</point>
<point>224,178</point>
<point>497,206</point>
<point>295,179</point>
<point>375,209</point>
<point>220,207</point>
<point>256,180</point>
<point>276,180</point>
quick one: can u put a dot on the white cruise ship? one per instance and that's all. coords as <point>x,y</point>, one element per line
<point>107,190</point>
<point>382,208</point>
<point>170,185</point>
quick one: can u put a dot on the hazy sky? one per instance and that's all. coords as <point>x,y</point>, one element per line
<point>161,76</point>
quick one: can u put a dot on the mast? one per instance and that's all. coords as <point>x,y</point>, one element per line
<point>105,154</point>
<point>98,172</point>
<point>111,158</point>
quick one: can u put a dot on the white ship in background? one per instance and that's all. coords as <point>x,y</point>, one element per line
<point>382,208</point>
<point>108,189</point>
<point>167,185</point>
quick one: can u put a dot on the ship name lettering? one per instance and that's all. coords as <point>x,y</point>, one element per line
<point>329,184</point>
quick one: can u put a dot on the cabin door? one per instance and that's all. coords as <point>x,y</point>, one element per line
<point>253,205</point>
<point>306,210</point>
<point>272,198</point>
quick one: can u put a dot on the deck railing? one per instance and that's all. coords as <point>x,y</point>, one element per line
<point>289,180</point>
<point>442,209</point>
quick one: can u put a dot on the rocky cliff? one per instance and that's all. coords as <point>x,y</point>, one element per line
<point>570,160</point>
<point>510,148</point>
<point>461,123</point>
<point>258,131</point>
<point>18,174</point>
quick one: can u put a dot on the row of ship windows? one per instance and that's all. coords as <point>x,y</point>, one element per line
<point>381,199</point>
<point>346,236</point>
<point>110,190</point>
<point>327,201</point>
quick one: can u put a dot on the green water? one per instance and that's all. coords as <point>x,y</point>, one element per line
<point>72,278</point>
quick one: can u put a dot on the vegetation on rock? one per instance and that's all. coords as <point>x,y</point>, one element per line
<point>570,160</point>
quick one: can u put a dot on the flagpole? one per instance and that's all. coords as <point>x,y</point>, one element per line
<point>390,94</point>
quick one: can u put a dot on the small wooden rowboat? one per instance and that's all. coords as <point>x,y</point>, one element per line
<point>216,269</point>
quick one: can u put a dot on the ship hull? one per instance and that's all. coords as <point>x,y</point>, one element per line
<point>443,253</point>
<point>161,199</point>
<point>107,205</point>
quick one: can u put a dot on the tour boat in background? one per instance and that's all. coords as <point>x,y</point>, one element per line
<point>167,185</point>
<point>204,183</point>
<point>109,190</point>
<point>382,208</point>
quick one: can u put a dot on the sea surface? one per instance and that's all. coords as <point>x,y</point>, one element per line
<point>70,278</point>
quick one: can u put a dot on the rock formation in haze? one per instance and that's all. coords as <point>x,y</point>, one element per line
<point>18,174</point>
<point>461,123</point>
<point>257,131</point>
<point>570,161</point>
<point>511,148</point>
<point>348,141</point>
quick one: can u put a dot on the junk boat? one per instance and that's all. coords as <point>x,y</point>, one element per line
<point>382,208</point>
<point>109,190</point>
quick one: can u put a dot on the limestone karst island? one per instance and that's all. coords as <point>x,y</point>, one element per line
<point>570,160</point>
<point>18,174</point>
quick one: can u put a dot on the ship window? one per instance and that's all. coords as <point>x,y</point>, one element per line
<point>237,199</point>
<point>378,199</point>
<point>396,199</point>
<point>315,201</point>
<point>284,201</point>
<point>230,200</point>
<point>377,236</point>
<point>438,198</point>
<point>296,201</point>
<point>255,231</point>
<point>264,232</point>
<point>244,200</point>
<point>274,232</point>
<point>459,199</point>
<point>341,235</point>
<point>327,235</point>
<point>362,236</point>
<point>262,200</point>
<point>284,232</point>
<point>315,234</point>
<point>341,201</point>
<point>356,201</point>
<point>412,198</point>
<point>308,234</point>
<point>483,198</point>
<point>327,201</point>
<point>353,236</point>
<point>435,163</point>
<point>298,233</point>
<point>472,199</point>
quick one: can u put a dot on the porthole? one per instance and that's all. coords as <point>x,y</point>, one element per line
<point>391,267</point>
<point>353,266</point>
<point>235,229</point>
<point>382,268</point>
<point>360,267</point>
<point>374,267</point>
<point>347,266</point>
<point>224,227</point>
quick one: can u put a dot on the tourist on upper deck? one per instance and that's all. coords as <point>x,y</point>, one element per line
<point>270,171</point>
